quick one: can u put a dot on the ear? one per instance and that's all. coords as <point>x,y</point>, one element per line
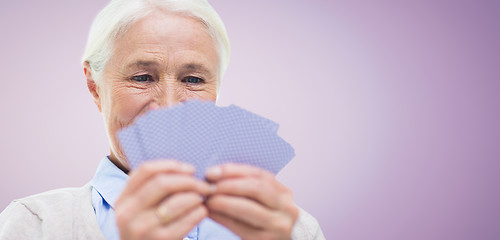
<point>91,85</point>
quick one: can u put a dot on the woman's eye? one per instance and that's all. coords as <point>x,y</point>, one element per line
<point>143,78</point>
<point>193,80</point>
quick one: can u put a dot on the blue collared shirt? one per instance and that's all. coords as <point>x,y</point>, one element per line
<point>107,184</point>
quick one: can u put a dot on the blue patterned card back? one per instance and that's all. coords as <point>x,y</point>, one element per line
<point>204,135</point>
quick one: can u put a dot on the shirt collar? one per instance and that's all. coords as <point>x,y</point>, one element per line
<point>109,181</point>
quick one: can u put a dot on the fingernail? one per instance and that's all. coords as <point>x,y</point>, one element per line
<point>187,167</point>
<point>213,188</point>
<point>214,172</point>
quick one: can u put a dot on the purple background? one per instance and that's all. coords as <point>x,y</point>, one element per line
<point>392,107</point>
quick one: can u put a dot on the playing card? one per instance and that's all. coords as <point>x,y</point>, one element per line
<point>131,143</point>
<point>203,134</point>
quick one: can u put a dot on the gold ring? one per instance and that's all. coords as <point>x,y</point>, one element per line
<point>162,214</point>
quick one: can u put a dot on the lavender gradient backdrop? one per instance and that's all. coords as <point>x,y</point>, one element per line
<point>392,106</point>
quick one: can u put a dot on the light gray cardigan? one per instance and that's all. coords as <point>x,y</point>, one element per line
<point>68,214</point>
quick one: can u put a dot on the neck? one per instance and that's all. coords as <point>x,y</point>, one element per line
<point>118,163</point>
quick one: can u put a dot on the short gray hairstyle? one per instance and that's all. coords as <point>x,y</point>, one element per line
<point>119,15</point>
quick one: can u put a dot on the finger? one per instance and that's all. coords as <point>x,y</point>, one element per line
<point>242,209</point>
<point>162,185</point>
<point>151,168</point>
<point>176,206</point>
<point>267,191</point>
<point>139,227</point>
<point>233,170</point>
<point>182,226</point>
<point>236,227</point>
<point>280,228</point>
<point>142,225</point>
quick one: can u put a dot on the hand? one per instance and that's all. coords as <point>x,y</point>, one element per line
<point>251,202</point>
<point>162,200</point>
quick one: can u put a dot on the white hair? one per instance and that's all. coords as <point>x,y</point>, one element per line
<point>119,15</point>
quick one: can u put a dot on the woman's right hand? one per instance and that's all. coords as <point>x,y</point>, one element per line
<point>162,200</point>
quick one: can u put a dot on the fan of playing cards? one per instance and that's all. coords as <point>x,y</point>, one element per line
<point>204,135</point>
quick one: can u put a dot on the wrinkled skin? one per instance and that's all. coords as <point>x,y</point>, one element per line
<point>162,60</point>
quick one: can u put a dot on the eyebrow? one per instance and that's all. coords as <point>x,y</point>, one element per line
<point>195,68</point>
<point>142,63</point>
<point>190,67</point>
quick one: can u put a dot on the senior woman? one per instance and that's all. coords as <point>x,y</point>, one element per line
<point>143,55</point>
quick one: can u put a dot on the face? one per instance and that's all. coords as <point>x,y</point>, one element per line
<point>161,60</point>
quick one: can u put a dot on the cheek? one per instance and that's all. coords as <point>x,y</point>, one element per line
<point>126,105</point>
<point>204,96</point>
<point>209,93</point>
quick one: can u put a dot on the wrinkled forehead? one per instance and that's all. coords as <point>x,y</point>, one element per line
<point>162,29</point>
<point>166,39</point>
<point>160,13</point>
<point>147,23</point>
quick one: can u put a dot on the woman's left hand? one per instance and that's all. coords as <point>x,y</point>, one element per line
<point>251,202</point>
